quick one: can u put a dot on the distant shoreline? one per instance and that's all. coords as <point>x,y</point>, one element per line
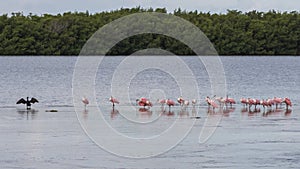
<point>251,33</point>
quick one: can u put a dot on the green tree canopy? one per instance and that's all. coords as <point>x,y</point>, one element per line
<point>232,33</point>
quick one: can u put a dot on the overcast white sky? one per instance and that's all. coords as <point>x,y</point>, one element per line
<point>214,6</point>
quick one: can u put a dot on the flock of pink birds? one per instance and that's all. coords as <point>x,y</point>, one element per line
<point>249,102</point>
<point>268,103</point>
<point>214,102</point>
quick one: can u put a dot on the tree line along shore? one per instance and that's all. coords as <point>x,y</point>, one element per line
<point>231,33</point>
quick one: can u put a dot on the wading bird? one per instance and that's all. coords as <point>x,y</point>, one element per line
<point>270,102</point>
<point>113,101</point>
<point>210,102</point>
<point>170,103</point>
<point>244,101</point>
<point>277,101</point>
<point>161,102</point>
<point>85,101</point>
<point>264,103</point>
<point>194,102</point>
<point>287,102</point>
<point>229,100</point>
<point>143,102</point>
<point>186,103</point>
<point>221,101</point>
<point>254,102</point>
<point>27,102</point>
<point>180,100</point>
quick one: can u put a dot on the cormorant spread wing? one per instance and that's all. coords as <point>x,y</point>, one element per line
<point>21,101</point>
<point>34,100</point>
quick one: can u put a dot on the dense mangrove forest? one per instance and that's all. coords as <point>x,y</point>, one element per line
<point>231,33</point>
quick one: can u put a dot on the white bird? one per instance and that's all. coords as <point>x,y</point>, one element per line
<point>85,101</point>
<point>194,102</point>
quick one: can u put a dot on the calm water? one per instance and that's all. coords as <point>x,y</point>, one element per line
<point>243,139</point>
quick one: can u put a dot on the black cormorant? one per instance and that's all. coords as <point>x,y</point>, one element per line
<point>28,102</point>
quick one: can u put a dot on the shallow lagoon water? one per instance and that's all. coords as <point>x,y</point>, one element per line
<point>40,139</point>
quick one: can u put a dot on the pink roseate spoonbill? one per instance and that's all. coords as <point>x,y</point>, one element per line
<point>162,102</point>
<point>113,101</point>
<point>27,102</point>
<point>210,102</point>
<point>277,101</point>
<point>257,102</point>
<point>170,103</point>
<point>250,102</point>
<point>85,101</point>
<point>244,101</point>
<point>207,99</point>
<point>254,102</point>
<point>270,102</point>
<point>221,100</point>
<point>264,103</point>
<point>141,102</point>
<point>180,100</point>
<point>148,103</point>
<point>287,102</point>
<point>229,100</point>
<point>144,102</point>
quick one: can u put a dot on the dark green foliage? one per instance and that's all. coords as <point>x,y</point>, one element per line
<point>146,41</point>
<point>233,33</point>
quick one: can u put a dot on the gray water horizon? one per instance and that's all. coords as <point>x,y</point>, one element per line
<point>243,139</point>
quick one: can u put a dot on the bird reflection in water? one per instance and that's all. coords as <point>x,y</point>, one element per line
<point>275,112</point>
<point>213,111</point>
<point>114,113</point>
<point>271,112</point>
<point>254,112</point>
<point>169,113</point>
<point>144,112</point>
<point>247,111</point>
<point>228,110</point>
<point>165,112</point>
<point>183,113</point>
<point>244,110</point>
<point>194,112</point>
<point>85,113</point>
<point>265,112</point>
<point>288,112</point>
<point>32,113</point>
